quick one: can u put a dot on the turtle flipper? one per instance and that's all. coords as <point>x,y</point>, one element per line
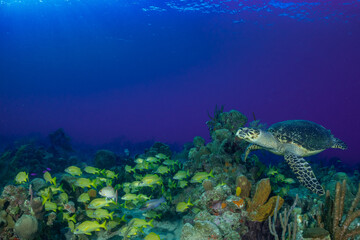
<point>339,144</point>
<point>250,148</point>
<point>304,173</point>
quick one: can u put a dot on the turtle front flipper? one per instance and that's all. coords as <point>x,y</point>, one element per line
<point>250,148</point>
<point>339,144</point>
<point>304,173</point>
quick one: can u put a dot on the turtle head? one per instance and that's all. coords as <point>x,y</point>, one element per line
<point>248,134</point>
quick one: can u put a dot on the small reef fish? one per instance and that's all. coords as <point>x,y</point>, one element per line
<point>66,216</point>
<point>91,170</point>
<point>152,236</point>
<point>129,197</point>
<point>272,171</point>
<point>46,195</point>
<point>151,214</point>
<point>71,226</point>
<point>48,178</point>
<point>51,206</point>
<point>161,156</point>
<point>109,193</point>
<point>129,169</point>
<point>279,177</point>
<point>99,203</point>
<point>135,184</point>
<point>112,224</point>
<point>103,214</point>
<point>182,206</point>
<point>238,191</point>
<point>154,203</point>
<point>64,198</point>
<point>84,198</point>
<point>85,182</point>
<point>73,170</point>
<point>201,176</point>
<point>139,160</point>
<point>180,175</point>
<point>151,179</point>
<point>162,170</point>
<point>90,213</point>
<point>183,184</point>
<point>289,180</point>
<point>21,177</point>
<point>89,226</point>
<point>110,174</point>
<point>129,231</point>
<point>152,160</point>
<point>169,162</point>
<point>141,223</point>
<point>55,190</point>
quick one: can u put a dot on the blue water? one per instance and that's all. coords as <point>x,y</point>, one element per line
<point>151,70</point>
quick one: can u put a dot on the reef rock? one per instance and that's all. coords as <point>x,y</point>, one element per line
<point>202,230</point>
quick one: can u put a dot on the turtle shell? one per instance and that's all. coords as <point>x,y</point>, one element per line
<point>306,134</point>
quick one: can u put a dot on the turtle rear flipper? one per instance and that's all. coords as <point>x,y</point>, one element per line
<point>304,173</point>
<point>339,144</point>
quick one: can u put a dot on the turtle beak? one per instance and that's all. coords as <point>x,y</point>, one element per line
<point>247,134</point>
<point>242,133</point>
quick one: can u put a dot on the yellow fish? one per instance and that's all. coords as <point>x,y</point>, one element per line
<point>21,177</point>
<point>129,169</point>
<point>129,197</point>
<point>161,156</point>
<point>91,170</point>
<point>201,176</point>
<point>182,206</point>
<point>84,198</point>
<point>152,236</point>
<point>48,178</point>
<point>139,160</point>
<point>85,182</point>
<point>151,179</point>
<point>66,216</point>
<point>110,174</point>
<point>64,198</point>
<point>46,194</point>
<point>289,180</point>
<point>89,226</point>
<point>73,170</point>
<point>90,213</point>
<point>162,170</point>
<point>152,160</point>
<point>50,206</point>
<point>183,184</point>
<point>238,191</point>
<point>140,223</point>
<point>99,203</point>
<point>169,162</point>
<point>103,213</point>
<point>55,190</point>
<point>180,175</point>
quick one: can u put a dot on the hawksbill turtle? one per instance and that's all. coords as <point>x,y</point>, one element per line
<point>294,139</point>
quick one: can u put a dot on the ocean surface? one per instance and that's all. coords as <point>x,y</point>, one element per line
<point>152,70</point>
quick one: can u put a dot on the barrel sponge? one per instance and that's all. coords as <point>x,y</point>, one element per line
<point>26,227</point>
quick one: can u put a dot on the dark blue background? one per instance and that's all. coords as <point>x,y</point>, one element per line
<point>151,70</point>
